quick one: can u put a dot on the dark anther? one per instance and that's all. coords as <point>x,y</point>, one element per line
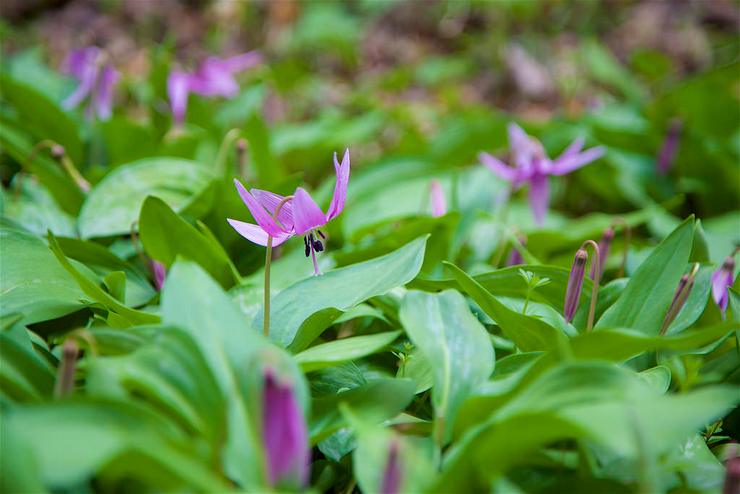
<point>322,235</point>
<point>308,248</point>
<point>318,246</point>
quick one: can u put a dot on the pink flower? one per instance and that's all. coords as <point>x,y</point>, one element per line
<point>437,196</point>
<point>299,214</point>
<point>531,165</point>
<point>96,82</point>
<point>721,279</point>
<point>214,77</point>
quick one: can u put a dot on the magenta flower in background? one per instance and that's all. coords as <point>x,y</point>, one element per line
<point>670,147</point>
<point>604,245</point>
<point>299,215</point>
<point>214,77</point>
<point>437,196</point>
<point>159,272</point>
<point>284,434</point>
<point>721,279</point>
<point>97,81</point>
<point>515,257</point>
<point>532,166</point>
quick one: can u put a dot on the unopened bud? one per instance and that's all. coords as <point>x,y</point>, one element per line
<point>392,473</point>
<point>575,284</point>
<point>683,290</point>
<point>57,151</point>
<point>732,476</point>
<point>604,246</point>
<point>66,371</point>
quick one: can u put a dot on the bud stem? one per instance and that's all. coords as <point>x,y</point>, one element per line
<point>66,371</point>
<point>679,298</point>
<point>627,240</point>
<point>61,157</point>
<point>596,280</point>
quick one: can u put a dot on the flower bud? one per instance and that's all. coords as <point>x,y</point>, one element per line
<point>392,473</point>
<point>721,279</point>
<point>57,151</point>
<point>284,434</point>
<point>575,284</point>
<point>437,195</point>
<point>515,257</point>
<point>732,476</point>
<point>66,371</point>
<point>683,290</point>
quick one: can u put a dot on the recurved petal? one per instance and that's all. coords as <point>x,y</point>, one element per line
<point>270,201</point>
<point>340,186</point>
<point>539,197</point>
<point>306,214</point>
<point>501,169</point>
<point>260,214</point>
<point>103,96</point>
<point>87,78</point>
<point>177,91</point>
<point>255,234</point>
<point>244,61</point>
<point>565,165</point>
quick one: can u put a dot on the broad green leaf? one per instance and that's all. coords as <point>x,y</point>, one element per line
<point>371,458</point>
<point>102,261</point>
<point>113,204</point>
<point>449,335</point>
<point>120,312</point>
<point>527,332</point>
<point>645,300</point>
<point>375,401</point>
<point>74,441</point>
<point>30,204</point>
<point>32,282</point>
<point>302,311</point>
<point>25,374</point>
<point>18,146</point>
<point>342,350</point>
<point>42,117</point>
<point>233,352</point>
<point>166,235</point>
<point>622,344</point>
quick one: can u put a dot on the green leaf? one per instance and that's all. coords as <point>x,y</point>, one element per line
<point>32,282</point>
<point>260,151</point>
<point>342,350</point>
<point>73,441</point>
<point>30,204</point>
<point>448,334</point>
<point>97,294</point>
<point>114,203</point>
<point>376,401</point>
<point>302,311</point>
<point>194,302</point>
<point>42,117</point>
<point>527,332</point>
<point>645,299</point>
<point>166,235</point>
<point>25,374</point>
<point>622,344</point>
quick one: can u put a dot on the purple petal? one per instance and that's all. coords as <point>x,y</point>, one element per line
<point>270,201</point>
<point>87,77</point>
<point>340,187</point>
<point>670,147</point>
<point>284,434</point>
<point>574,148</point>
<point>243,62</point>
<point>177,90</point>
<point>261,216</point>
<point>523,148</point>
<point>213,78</point>
<point>439,204</point>
<point>721,279</point>
<point>159,271</point>
<point>565,165</point>
<point>79,60</point>
<point>539,197</point>
<point>391,483</point>
<point>255,234</point>
<point>498,167</point>
<point>103,97</point>
<point>306,214</point>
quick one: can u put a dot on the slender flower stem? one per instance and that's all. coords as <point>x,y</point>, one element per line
<point>597,279</point>
<point>222,167</point>
<point>268,262</point>
<point>66,372</point>
<point>61,157</point>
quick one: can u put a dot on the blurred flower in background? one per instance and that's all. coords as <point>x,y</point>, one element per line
<point>214,77</point>
<point>97,81</point>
